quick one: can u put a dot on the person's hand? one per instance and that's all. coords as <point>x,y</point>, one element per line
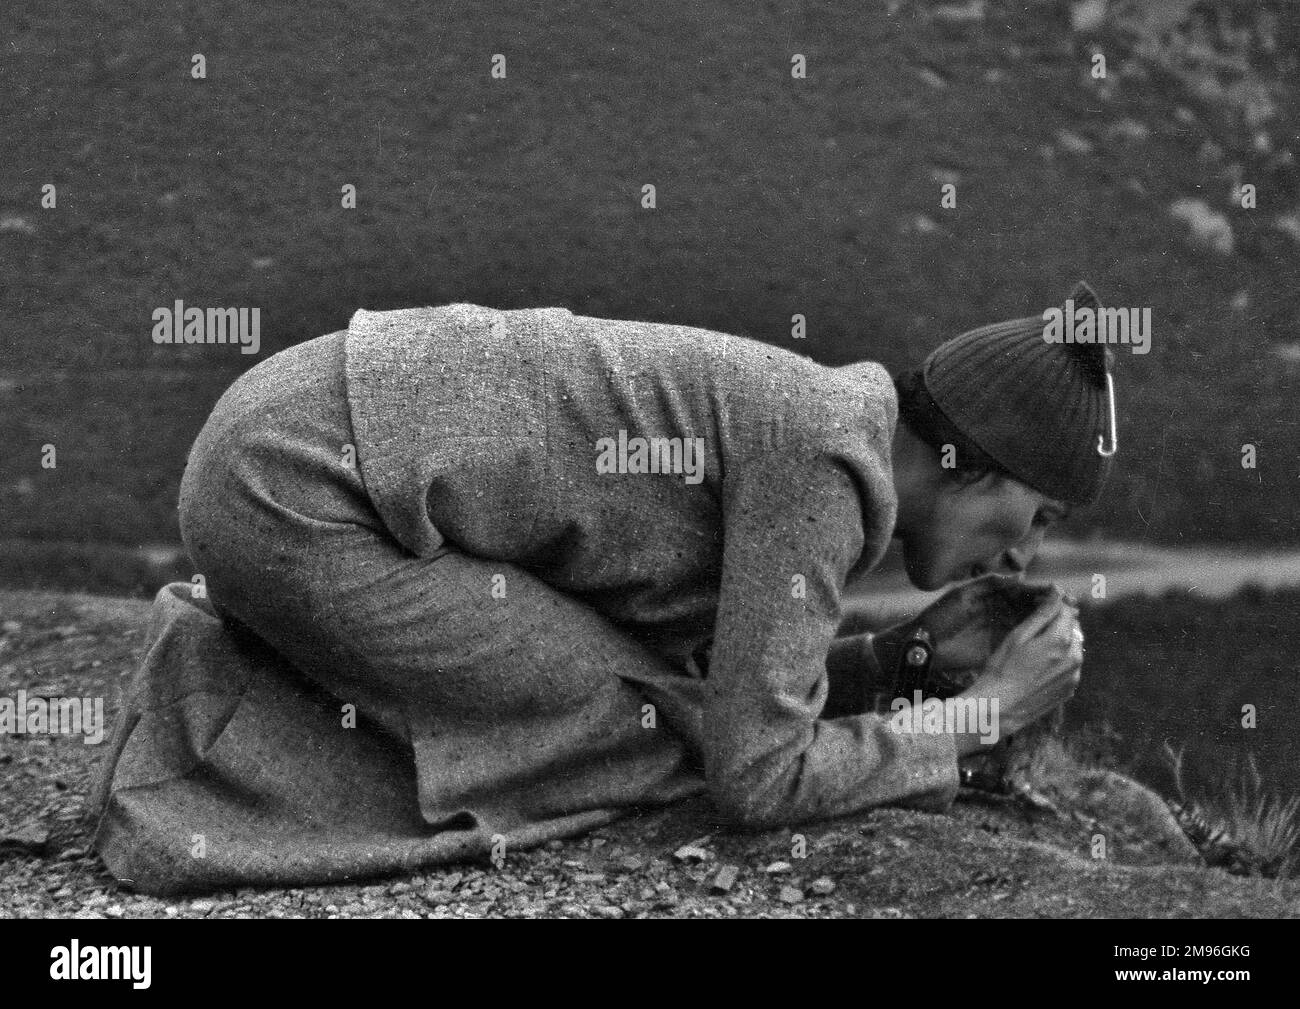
<point>1034,670</point>
<point>966,625</point>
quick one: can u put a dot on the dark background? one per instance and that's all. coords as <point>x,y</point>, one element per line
<point>775,196</point>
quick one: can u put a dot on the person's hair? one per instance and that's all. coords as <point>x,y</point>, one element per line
<point>918,410</point>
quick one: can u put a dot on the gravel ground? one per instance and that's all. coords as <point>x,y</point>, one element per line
<point>988,858</point>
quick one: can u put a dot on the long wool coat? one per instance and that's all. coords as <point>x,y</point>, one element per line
<point>499,459</point>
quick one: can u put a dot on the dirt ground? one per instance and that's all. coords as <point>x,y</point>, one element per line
<point>988,858</point>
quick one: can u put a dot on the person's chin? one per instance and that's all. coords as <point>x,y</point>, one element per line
<point>923,576</point>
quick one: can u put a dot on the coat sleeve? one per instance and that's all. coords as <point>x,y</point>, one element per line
<point>794,529</point>
<point>855,676</point>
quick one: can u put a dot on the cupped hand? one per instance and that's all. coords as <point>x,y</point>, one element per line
<point>1036,668</point>
<point>966,625</point>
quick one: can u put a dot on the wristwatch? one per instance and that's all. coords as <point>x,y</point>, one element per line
<point>914,660</point>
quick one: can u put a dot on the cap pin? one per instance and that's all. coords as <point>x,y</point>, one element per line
<point>1114,431</point>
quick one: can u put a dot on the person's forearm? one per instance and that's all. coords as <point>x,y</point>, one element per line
<point>774,751</point>
<point>856,676</point>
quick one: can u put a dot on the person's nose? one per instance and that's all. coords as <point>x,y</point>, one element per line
<point>1018,557</point>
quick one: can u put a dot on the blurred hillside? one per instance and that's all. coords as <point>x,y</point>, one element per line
<point>775,196</point>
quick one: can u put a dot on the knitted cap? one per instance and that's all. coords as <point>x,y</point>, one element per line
<point>1037,408</point>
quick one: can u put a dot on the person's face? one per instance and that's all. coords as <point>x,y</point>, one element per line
<point>993,524</point>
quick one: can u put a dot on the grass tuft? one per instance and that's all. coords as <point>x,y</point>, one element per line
<point>1248,828</point>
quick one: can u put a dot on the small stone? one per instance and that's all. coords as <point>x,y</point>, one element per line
<point>790,895</point>
<point>631,863</point>
<point>31,837</point>
<point>1087,15</point>
<point>201,906</point>
<point>777,868</point>
<point>959,14</point>
<point>113,911</point>
<point>1289,224</point>
<point>16,223</point>
<point>589,877</point>
<point>1072,143</point>
<point>554,845</point>
<point>1130,131</point>
<point>822,886</point>
<point>931,78</point>
<point>1209,229</point>
<point>1209,152</point>
<point>11,627</point>
<point>725,878</point>
<point>607,911</point>
<point>1252,103</point>
<point>692,853</point>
